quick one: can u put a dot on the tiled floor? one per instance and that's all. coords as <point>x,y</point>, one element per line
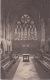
<point>26,71</point>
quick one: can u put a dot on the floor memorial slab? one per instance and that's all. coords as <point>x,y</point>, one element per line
<point>26,71</point>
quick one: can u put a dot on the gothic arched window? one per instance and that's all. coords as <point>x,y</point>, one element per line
<point>25,29</point>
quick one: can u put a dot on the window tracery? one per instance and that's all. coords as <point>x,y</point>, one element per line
<point>25,29</point>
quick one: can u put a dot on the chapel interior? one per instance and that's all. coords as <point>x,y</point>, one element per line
<point>25,39</point>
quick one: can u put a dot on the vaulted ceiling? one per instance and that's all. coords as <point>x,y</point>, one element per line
<point>14,9</point>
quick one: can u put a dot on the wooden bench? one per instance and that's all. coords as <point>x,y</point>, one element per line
<point>5,68</point>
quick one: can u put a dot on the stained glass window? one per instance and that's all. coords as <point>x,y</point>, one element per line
<point>22,33</point>
<point>25,34</point>
<point>18,33</point>
<point>35,32</point>
<point>28,33</point>
<point>26,29</point>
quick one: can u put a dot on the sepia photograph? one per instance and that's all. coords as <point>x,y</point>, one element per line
<point>24,39</point>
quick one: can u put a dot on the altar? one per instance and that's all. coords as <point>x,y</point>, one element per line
<point>25,57</point>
